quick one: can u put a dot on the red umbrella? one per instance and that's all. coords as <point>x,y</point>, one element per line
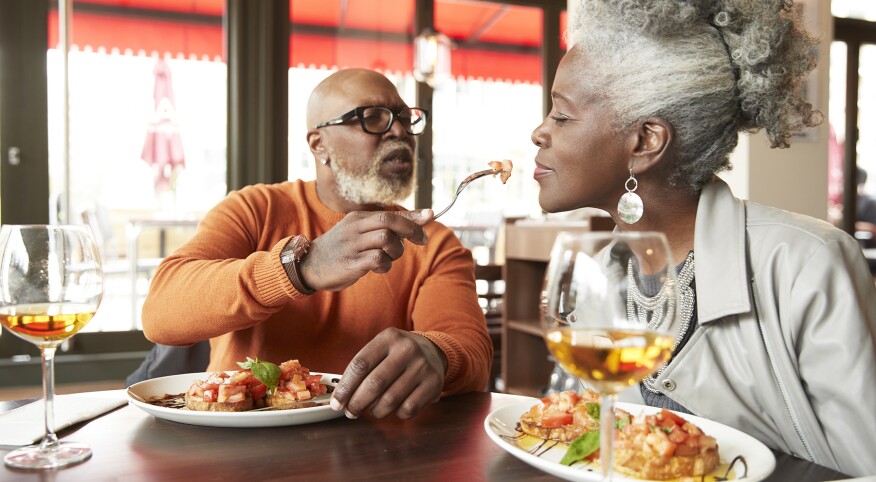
<point>163,149</point>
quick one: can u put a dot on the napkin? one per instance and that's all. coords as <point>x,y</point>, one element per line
<point>26,425</point>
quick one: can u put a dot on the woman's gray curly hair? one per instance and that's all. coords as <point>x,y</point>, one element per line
<point>672,59</point>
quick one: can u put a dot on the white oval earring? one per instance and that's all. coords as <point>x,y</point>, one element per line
<point>630,207</point>
<point>324,161</point>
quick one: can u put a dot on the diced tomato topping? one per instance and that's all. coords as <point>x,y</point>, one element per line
<point>665,422</point>
<point>659,443</point>
<point>210,395</point>
<point>677,435</point>
<point>303,395</point>
<point>556,419</point>
<point>314,384</point>
<point>243,377</point>
<point>289,368</point>
<point>671,416</point>
<point>232,393</point>
<point>216,378</point>
<point>295,386</point>
<point>258,391</point>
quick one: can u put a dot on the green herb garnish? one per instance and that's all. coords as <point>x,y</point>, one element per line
<point>582,447</point>
<point>593,410</point>
<point>621,423</point>
<point>265,372</point>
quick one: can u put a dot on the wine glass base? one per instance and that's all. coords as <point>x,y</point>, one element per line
<point>63,455</point>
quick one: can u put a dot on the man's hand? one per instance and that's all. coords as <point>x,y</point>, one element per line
<point>363,241</point>
<point>397,372</point>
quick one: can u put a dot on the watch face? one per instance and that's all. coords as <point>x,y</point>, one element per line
<point>296,248</point>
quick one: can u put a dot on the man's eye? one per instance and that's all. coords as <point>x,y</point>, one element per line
<point>559,119</point>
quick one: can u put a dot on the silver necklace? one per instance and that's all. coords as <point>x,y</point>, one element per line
<point>652,311</point>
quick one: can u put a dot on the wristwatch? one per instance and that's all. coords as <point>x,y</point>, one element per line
<point>291,257</point>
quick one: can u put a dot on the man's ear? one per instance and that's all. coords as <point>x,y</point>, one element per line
<point>651,138</point>
<point>314,141</point>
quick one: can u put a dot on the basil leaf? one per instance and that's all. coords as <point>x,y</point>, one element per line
<point>265,372</point>
<point>582,447</point>
<point>593,410</point>
<point>621,423</point>
<point>247,364</point>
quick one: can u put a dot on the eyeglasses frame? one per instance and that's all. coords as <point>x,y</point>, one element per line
<point>358,111</point>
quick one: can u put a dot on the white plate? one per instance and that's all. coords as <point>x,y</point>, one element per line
<point>158,387</point>
<point>500,426</point>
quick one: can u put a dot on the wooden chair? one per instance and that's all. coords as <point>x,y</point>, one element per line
<point>490,291</point>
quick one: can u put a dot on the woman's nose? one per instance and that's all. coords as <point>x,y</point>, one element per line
<point>540,137</point>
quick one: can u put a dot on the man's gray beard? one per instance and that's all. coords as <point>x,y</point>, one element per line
<point>370,187</point>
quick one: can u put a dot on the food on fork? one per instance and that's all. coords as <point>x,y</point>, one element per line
<point>502,168</point>
<point>257,385</point>
<point>660,446</point>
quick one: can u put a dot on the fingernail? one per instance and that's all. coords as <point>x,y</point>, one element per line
<point>350,415</point>
<point>425,213</point>
<point>336,405</point>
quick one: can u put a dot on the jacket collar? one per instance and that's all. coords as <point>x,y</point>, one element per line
<point>720,254</point>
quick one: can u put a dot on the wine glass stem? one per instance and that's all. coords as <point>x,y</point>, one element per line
<point>50,440</point>
<point>606,436</point>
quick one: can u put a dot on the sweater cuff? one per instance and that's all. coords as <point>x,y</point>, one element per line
<point>272,280</point>
<point>451,349</point>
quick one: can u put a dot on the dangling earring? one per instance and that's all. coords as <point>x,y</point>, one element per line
<point>630,207</point>
<point>324,161</point>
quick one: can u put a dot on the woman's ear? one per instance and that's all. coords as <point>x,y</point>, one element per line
<point>652,138</point>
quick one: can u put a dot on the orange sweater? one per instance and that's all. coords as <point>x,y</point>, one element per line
<point>227,284</point>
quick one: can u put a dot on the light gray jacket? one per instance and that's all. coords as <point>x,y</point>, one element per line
<point>786,348</point>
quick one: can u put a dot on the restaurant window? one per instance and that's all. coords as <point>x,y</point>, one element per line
<point>853,63</point>
<point>147,129</point>
<point>486,111</point>
<point>326,35</point>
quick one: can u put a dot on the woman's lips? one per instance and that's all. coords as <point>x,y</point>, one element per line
<point>541,171</point>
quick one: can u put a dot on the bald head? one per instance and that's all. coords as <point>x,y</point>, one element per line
<point>345,90</point>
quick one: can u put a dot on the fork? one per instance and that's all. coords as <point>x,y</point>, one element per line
<point>465,182</point>
<point>313,402</point>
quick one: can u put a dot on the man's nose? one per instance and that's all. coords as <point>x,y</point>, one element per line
<point>396,129</point>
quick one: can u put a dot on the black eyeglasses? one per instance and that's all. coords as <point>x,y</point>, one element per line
<point>377,119</point>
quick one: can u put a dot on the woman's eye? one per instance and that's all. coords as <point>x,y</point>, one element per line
<point>559,119</point>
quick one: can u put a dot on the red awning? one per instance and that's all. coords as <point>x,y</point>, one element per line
<point>492,41</point>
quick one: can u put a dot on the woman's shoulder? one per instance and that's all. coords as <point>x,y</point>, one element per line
<point>769,226</point>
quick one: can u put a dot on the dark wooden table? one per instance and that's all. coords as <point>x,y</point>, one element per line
<point>446,442</point>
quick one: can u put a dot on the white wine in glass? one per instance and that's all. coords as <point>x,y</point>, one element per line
<point>601,321</point>
<point>51,284</point>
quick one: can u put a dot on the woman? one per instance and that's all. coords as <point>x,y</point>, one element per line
<point>647,106</point>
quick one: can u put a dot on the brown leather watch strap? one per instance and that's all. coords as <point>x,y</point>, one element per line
<point>291,257</point>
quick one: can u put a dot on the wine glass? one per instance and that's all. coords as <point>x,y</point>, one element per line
<point>51,283</point>
<point>609,314</point>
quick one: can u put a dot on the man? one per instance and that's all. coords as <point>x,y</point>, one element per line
<point>332,272</point>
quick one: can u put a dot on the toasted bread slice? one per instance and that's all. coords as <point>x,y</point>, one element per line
<point>651,466</point>
<point>194,403</point>
<point>566,433</point>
